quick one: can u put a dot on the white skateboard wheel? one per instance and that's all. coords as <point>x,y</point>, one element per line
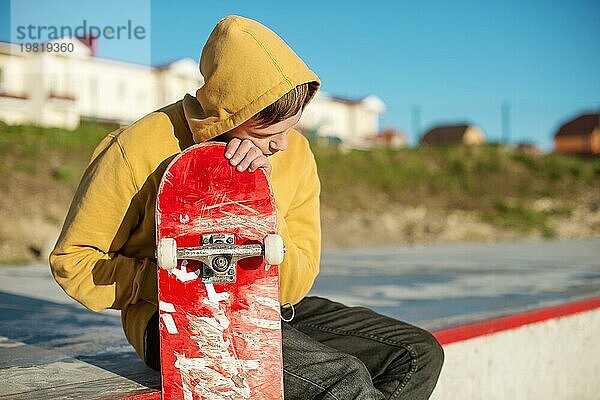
<point>274,249</point>
<point>166,253</point>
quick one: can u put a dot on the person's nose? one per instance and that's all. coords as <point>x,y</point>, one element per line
<point>280,142</point>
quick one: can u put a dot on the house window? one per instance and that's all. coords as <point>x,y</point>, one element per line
<point>1,79</point>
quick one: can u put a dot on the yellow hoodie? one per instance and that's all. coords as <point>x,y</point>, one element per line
<point>104,257</point>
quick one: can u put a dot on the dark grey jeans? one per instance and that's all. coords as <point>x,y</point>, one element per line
<point>334,352</point>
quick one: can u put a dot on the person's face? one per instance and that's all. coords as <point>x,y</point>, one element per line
<point>270,139</point>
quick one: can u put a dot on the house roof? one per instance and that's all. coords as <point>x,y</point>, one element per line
<point>583,124</point>
<point>345,100</point>
<point>183,66</point>
<point>371,101</point>
<point>7,45</point>
<point>445,134</point>
<point>90,42</point>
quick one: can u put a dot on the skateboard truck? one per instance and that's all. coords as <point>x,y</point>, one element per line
<point>219,255</point>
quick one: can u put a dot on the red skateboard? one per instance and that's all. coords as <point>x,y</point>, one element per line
<point>218,281</point>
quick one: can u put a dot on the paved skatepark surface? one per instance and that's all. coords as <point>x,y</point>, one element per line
<point>440,286</point>
<point>51,347</point>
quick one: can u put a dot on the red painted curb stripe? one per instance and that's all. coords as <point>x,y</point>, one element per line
<point>470,331</point>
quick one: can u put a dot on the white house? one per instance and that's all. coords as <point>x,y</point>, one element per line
<point>353,121</point>
<point>59,89</point>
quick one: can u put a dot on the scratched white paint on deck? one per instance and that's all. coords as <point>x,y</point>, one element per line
<point>208,378</point>
<point>199,375</point>
<point>266,301</point>
<point>166,306</point>
<point>265,323</point>
<point>219,317</point>
<point>183,274</point>
<point>167,178</point>
<point>167,318</point>
<point>213,296</point>
<point>169,323</point>
<point>255,226</point>
<point>209,335</point>
<point>257,316</point>
<point>226,202</point>
<point>248,219</point>
<point>264,312</point>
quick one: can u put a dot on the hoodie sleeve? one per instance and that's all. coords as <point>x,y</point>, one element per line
<point>86,261</point>
<point>300,229</point>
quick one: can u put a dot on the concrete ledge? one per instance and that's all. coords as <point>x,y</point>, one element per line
<point>550,353</point>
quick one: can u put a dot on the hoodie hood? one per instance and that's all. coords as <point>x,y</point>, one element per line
<point>246,67</point>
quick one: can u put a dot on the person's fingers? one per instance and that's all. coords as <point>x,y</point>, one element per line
<point>267,168</point>
<point>252,154</point>
<point>232,147</point>
<point>260,162</point>
<point>240,152</point>
<point>244,155</point>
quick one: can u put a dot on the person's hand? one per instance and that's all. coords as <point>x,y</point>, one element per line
<point>244,155</point>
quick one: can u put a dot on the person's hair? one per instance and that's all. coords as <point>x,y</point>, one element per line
<point>287,106</point>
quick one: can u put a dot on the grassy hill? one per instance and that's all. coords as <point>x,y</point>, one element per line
<point>369,198</point>
<point>499,184</point>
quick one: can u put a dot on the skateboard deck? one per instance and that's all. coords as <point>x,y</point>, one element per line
<point>218,285</point>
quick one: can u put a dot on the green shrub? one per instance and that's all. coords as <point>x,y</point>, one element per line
<point>519,217</point>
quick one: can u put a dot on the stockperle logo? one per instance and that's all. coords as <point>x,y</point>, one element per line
<point>126,31</point>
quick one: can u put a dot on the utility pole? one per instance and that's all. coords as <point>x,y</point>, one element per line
<point>505,122</point>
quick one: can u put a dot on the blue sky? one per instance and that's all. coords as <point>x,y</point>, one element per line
<point>452,61</point>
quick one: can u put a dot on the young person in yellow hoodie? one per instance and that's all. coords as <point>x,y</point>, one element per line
<point>255,90</point>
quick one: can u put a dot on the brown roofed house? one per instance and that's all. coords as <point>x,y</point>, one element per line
<point>453,134</point>
<point>389,137</point>
<point>579,136</point>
